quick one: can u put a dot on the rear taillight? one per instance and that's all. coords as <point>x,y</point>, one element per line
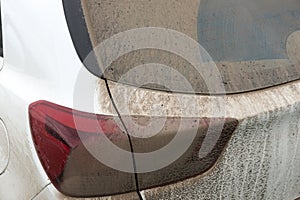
<point>61,136</point>
<point>68,164</point>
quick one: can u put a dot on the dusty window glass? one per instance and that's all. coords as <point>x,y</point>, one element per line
<point>253,43</point>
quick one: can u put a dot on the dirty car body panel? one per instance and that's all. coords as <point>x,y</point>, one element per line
<point>241,137</point>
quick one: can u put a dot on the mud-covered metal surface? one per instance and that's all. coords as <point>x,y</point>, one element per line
<point>143,102</point>
<point>261,162</point>
<point>262,158</point>
<point>252,43</point>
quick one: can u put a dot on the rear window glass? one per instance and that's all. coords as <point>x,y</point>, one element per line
<point>254,44</point>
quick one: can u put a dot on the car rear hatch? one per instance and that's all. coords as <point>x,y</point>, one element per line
<point>251,45</point>
<point>167,67</point>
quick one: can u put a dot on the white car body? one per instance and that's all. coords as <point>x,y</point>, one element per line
<point>37,61</point>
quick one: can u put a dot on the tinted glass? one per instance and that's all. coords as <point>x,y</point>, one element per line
<point>253,43</point>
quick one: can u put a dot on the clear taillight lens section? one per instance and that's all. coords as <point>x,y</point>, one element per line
<point>69,166</point>
<point>211,137</point>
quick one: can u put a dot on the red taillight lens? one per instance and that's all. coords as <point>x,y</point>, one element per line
<point>69,166</point>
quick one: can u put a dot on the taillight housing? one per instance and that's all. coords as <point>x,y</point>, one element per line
<point>68,164</point>
<point>61,136</point>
